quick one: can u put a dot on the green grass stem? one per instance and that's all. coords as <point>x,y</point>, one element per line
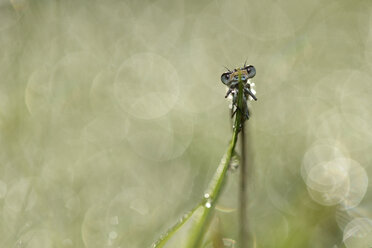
<point>202,219</point>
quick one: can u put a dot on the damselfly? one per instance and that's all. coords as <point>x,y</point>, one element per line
<point>231,80</point>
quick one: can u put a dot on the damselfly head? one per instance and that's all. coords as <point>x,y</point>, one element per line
<point>231,78</point>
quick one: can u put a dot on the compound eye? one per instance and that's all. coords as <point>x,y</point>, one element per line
<point>251,71</point>
<point>225,77</point>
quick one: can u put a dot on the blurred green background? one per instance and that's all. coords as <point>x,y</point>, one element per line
<point>113,120</point>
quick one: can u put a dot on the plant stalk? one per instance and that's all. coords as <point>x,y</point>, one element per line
<point>214,189</point>
<point>202,213</point>
<point>242,193</point>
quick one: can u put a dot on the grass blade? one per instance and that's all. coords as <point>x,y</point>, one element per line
<point>202,213</point>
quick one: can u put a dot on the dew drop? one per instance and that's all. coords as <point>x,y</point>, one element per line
<point>113,235</point>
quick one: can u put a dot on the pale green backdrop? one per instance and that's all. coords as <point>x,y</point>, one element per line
<point>113,120</point>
